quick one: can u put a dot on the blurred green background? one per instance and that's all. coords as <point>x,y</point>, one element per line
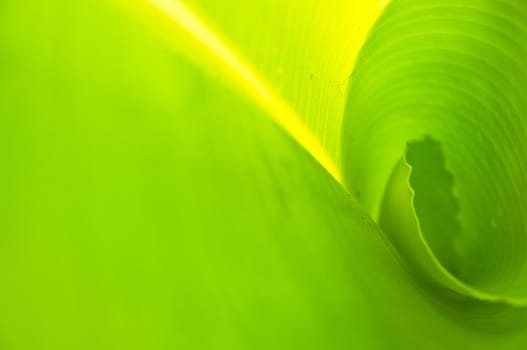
<point>147,202</point>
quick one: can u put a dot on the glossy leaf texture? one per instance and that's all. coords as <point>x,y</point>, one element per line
<point>442,87</point>
<point>150,198</point>
<point>303,51</point>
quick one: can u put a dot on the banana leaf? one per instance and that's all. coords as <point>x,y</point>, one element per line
<point>263,175</point>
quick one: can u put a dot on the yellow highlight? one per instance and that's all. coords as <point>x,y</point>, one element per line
<point>278,109</point>
<point>363,14</point>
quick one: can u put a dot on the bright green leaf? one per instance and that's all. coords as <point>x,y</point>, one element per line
<point>169,174</point>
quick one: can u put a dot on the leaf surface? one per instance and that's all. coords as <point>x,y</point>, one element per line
<point>151,197</point>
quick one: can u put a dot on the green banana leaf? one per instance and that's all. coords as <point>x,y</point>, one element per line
<point>263,175</point>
